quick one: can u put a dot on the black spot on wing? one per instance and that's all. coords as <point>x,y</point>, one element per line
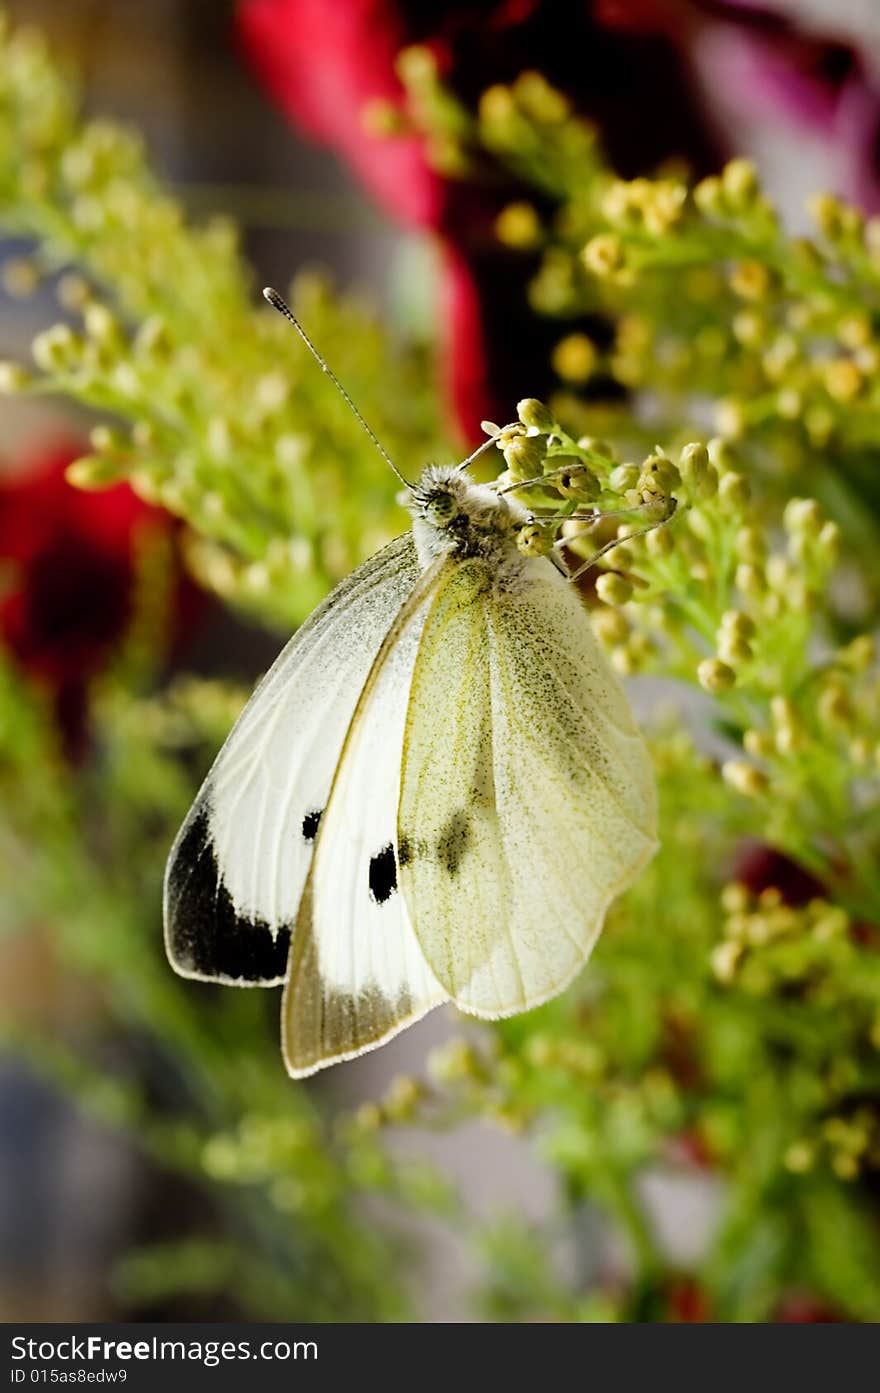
<point>383,875</point>
<point>310,824</point>
<point>205,934</point>
<point>453,842</point>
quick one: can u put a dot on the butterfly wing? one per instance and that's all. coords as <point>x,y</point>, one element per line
<point>357,974</point>
<point>527,798</point>
<point>236,871</point>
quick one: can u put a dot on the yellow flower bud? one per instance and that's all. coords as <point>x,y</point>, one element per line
<point>730,419</point>
<point>735,898</point>
<point>751,280</point>
<point>724,959</point>
<point>659,542</point>
<point>734,491</point>
<point>56,349</point>
<point>860,653</point>
<point>843,380</point>
<point>614,588</point>
<point>739,179</point>
<point>575,480</point>
<point>532,540</point>
<point>605,255</point>
<point>416,65</point>
<point>519,226</point>
<point>829,540</point>
<point>744,778</point>
<point>750,580</point>
<point>715,676</point>
<point>535,414</point>
<point>13,378</point>
<point>802,516</point>
<point>854,329</point>
<point>735,622</point>
<point>749,328</point>
<point>623,478</point>
<point>800,1157</point>
<point>524,456</point>
<point>734,650</point>
<point>758,743</point>
<point>709,197</point>
<point>834,706</point>
<point>574,358</point>
<point>610,624</point>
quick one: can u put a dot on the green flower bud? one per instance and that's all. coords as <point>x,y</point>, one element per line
<point>659,542</point>
<point>56,349</point>
<point>828,541</point>
<point>613,588</point>
<point>698,475</point>
<point>749,545</point>
<point>709,197</point>
<point>733,621</point>
<point>758,743</point>
<point>860,653</point>
<point>519,226</point>
<point>13,378</point>
<point>802,516</point>
<point>750,580</point>
<point>715,676</point>
<point>100,324</point>
<point>610,624</point>
<point>532,540</point>
<point>595,446</point>
<point>575,480</point>
<point>730,419</point>
<point>734,650</point>
<point>751,280</point>
<point>95,471</point>
<point>658,475</point>
<point>623,478</point>
<point>724,959</point>
<point>605,255</point>
<point>574,358</point>
<point>734,491</point>
<point>535,414</point>
<point>744,778</point>
<point>739,179</point>
<point>524,456</point>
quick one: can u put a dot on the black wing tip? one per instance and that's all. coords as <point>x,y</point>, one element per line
<point>204,934</point>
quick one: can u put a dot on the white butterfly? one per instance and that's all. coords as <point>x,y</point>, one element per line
<point>433,795</point>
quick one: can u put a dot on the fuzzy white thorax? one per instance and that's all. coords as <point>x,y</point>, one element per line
<point>452,515</point>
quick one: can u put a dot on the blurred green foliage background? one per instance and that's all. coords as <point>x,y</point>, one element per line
<point>727,1031</point>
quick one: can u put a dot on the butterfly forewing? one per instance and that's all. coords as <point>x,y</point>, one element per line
<point>527,797</point>
<point>357,973</point>
<point>236,872</point>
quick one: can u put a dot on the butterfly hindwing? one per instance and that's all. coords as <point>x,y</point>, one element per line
<point>527,798</point>
<point>237,869</point>
<point>357,974</point>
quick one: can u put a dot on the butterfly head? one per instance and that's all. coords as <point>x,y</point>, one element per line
<point>453,514</point>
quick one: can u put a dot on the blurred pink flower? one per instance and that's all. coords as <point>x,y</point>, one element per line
<point>762,64</point>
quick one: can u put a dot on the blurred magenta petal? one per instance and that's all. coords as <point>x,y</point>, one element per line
<point>324,63</point>
<point>762,66</point>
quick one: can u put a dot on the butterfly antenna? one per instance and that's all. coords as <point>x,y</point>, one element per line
<point>477,452</point>
<point>281,305</point>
